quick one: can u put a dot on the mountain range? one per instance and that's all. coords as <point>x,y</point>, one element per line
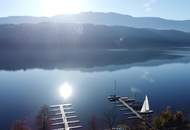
<point>87,40</point>
<point>110,19</point>
<point>64,36</point>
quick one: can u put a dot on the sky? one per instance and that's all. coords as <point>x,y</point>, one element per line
<point>169,9</point>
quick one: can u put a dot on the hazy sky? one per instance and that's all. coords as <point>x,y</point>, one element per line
<point>170,9</point>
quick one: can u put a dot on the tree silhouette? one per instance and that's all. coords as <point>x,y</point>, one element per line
<point>93,123</point>
<point>169,121</point>
<point>110,117</point>
<point>20,125</point>
<point>42,120</point>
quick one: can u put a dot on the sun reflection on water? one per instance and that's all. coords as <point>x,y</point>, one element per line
<point>65,90</point>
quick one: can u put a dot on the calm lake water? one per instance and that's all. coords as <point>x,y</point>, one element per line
<point>165,81</point>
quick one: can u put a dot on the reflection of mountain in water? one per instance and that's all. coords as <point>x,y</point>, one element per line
<point>85,60</point>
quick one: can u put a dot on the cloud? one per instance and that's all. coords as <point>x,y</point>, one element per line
<point>148,5</point>
<point>146,76</point>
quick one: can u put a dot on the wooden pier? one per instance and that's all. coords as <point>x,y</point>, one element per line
<point>130,108</point>
<point>63,117</point>
<point>127,104</point>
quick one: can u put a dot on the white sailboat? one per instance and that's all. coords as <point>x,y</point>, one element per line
<point>145,108</point>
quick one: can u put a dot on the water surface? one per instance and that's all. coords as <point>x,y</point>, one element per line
<point>165,81</point>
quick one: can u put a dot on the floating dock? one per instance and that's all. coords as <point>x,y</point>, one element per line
<point>63,117</point>
<point>130,105</point>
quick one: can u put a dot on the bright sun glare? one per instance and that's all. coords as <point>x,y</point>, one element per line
<point>55,7</point>
<point>65,90</point>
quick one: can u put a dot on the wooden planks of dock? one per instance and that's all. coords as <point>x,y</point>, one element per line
<point>63,117</point>
<point>126,104</point>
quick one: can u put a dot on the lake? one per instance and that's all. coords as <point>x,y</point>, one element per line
<point>165,79</point>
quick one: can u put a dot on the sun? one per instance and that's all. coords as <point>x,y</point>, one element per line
<point>65,90</point>
<point>56,7</point>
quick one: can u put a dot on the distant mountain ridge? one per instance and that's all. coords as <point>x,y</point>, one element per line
<point>64,36</point>
<point>111,19</point>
